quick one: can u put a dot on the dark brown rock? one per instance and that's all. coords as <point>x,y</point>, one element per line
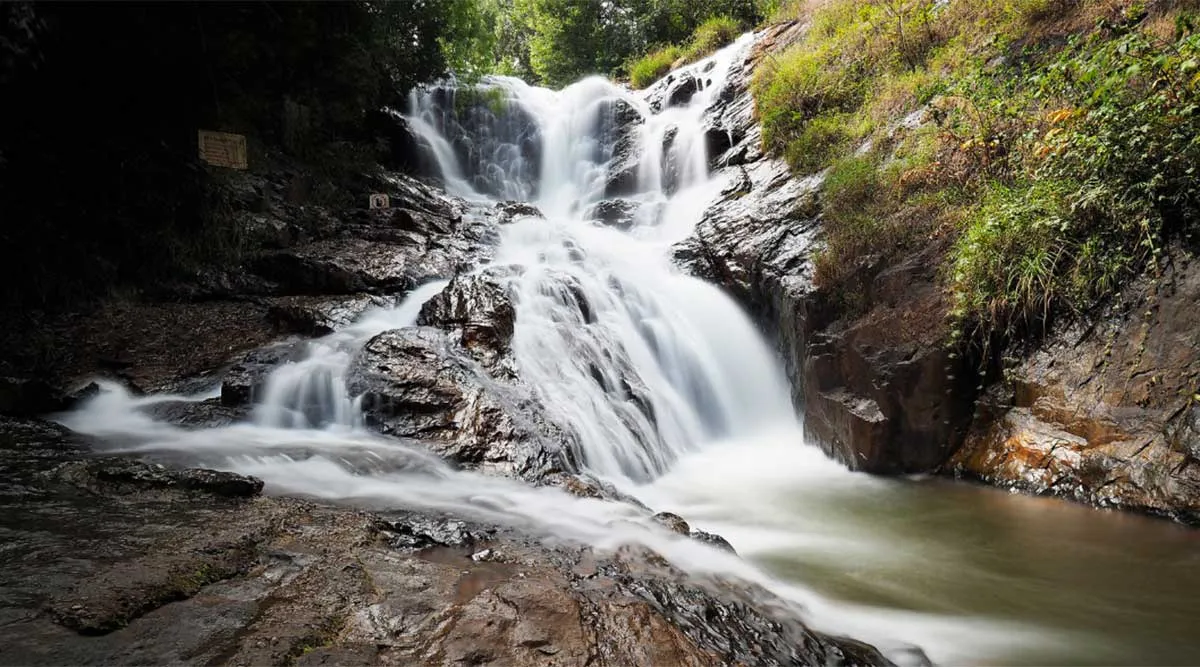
<point>319,315</point>
<point>122,476</point>
<point>173,578</point>
<point>208,413</point>
<point>479,308</point>
<point>244,380</point>
<point>418,383</point>
<point>615,213</point>
<point>878,390</point>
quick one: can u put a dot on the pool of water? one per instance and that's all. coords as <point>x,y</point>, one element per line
<point>1046,581</point>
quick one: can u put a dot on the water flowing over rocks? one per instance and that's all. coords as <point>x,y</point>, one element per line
<point>126,564</point>
<point>1102,411</point>
<point>876,393</point>
<point>493,361</point>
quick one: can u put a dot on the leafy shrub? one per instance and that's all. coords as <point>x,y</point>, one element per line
<point>1113,172</point>
<point>1004,266</point>
<point>796,88</point>
<point>857,229</point>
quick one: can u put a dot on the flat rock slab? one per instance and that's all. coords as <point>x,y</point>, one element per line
<point>107,574</point>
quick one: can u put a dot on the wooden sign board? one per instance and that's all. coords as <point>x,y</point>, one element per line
<point>379,201</point>
<point>222,149</point>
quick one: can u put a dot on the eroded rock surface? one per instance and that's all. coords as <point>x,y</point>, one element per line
<point>420,383</point>
<point>1106,414</point>
<point>479,309</point>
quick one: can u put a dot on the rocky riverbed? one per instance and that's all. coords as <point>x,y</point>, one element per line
<point>119,560</point>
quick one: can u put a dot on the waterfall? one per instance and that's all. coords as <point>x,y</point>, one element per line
<point>650,371</point>
<point>641,363</point>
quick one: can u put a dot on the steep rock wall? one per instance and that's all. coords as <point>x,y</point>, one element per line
<point>878,391</point>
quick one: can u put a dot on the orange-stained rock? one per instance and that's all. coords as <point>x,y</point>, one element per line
<point>1106,414</point>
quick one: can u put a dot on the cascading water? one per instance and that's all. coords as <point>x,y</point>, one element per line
<point>667,388</point>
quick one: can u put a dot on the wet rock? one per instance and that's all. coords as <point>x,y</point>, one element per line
<point>672,522</point>
<point>616,213</point>
<point>102,604</point>
<point>622,133</point>
<point>1104,413</point>
<point>878,390</point>
<point>403,147</point>
<point>718,140</point>
<point>670,162</point>
<point>352,266</point>
<point>243,382</point>
<point>512,211</point>
<point>417,383</point>
<point>173,577</point>
<point>423,236</point>
<point>29,447</point>
<point>123,476</point>
<point>210,413</point>
<point>319,316</point>
<point>584,485</point>
<point>479,307</point>
<point>414,532</point>
<point>682,90</point>
<point>713,540</point>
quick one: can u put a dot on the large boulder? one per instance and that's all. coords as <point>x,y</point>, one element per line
<point>420,383</point>
<point>616,213</point>
<point>682,90</point>
<point>423,236</point>
<point>478,308</point>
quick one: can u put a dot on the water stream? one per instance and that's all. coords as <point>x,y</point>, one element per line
<point>672,395</point>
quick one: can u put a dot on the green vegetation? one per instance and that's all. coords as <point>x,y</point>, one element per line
<point>712,35</point>
<point>555,42</point>
<point>708,37</point>
<point>1052,155</point>
<point>652,66</point>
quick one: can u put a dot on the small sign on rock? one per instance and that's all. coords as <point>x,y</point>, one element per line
<point>379,200</point>
<point>222,149</point>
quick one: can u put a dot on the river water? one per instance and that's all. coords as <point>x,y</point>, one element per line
<point>668,392</point>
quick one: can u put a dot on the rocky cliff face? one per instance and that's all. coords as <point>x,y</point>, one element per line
<point>877,390</point>
<point>1105,411</point>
